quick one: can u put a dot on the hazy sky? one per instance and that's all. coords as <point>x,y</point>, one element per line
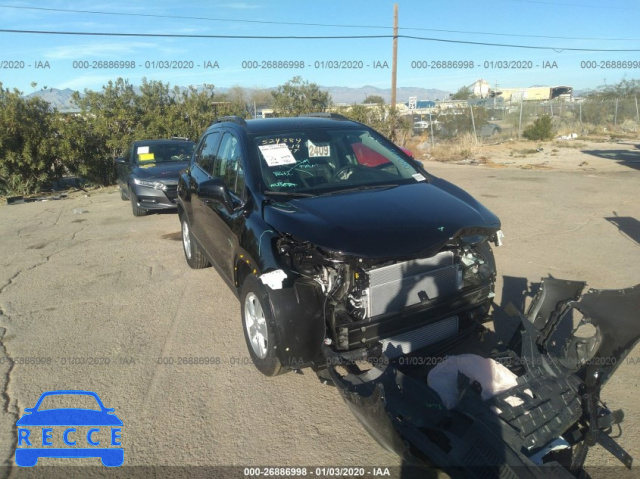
<point>455,54</point>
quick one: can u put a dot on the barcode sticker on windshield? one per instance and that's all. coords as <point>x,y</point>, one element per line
<point>319,150</point>
<point>419,177</point>
<point>277,154</point>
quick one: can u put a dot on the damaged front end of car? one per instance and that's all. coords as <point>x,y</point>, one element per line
<point>391,306</point>
<point>566,348</point>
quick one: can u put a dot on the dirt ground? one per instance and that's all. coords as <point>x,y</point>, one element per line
<point>565,155</point>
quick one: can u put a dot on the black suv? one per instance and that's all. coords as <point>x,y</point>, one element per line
<point>334,239</point>
<point>148,173</point>
<point>349,257</point>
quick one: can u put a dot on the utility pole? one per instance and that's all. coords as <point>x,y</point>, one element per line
<point>394,63</point>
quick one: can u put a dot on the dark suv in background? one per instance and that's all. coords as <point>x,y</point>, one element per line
<point>148,173</point>
<point>332,236</point>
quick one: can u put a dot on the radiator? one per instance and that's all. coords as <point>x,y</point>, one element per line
<point>394,287</point>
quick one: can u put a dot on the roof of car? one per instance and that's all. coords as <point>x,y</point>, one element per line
<point>164,141</point>
<point>270,125</point>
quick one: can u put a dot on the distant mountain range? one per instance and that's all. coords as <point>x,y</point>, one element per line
<point>61,99</point>
<point>341,94</point>
<point>58,99</point>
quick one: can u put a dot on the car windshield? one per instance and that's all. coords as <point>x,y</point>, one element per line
<point>317,161</point>
<point>151,155</point>
<point>69,401</point>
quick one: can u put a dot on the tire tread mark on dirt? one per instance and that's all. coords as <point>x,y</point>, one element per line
<point>62,210</point>
<point>73,236</point>
<point>563,232</point>
<point>8,408</point>
<point>168,341</point>
<point>19,232</point>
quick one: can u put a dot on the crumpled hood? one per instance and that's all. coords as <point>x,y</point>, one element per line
<point>163,171</point>
<point>399,221</point>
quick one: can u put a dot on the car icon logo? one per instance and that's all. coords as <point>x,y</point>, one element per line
<point>88,431</point>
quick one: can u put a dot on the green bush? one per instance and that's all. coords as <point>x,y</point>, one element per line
<point>540,130</point>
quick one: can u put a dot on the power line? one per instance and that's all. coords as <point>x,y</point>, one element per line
<point>315,37</point>
<point>555,4</point>
<point>524,35</point>
<point>266,22</point>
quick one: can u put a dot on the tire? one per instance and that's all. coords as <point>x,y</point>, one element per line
<point>135,209</point>
<point>26,458</point>
<point>112,458</point>
<point>123,197</point>
<point>192,252</point>
<point>259,325</point>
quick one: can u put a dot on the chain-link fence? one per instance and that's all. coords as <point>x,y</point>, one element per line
<point>486,119</point>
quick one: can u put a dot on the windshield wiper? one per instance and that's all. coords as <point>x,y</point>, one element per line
<point>292,194</point>
<point>360,188</point>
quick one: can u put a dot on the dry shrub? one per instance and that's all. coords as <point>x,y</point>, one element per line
<point>460,148</point>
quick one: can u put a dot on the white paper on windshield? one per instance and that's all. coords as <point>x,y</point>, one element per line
<point>318,151</point>
<point>419,177</point>
<point>142,150</point>
<point>277,154</point>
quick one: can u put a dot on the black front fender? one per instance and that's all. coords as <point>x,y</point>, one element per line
<point>300,326</point>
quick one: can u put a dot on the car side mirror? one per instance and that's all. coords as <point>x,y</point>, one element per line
<point>214,190</point>
<point>120,161</point>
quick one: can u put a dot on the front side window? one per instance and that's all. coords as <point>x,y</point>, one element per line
<point>228,165</point>
<point>316,161</point>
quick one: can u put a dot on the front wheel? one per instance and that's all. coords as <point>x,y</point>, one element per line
<point>135,209</point>
<point>259,326</point>
<point>192,252</point>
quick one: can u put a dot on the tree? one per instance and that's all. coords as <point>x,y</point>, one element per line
<point>27,154</point>
<point>113,115</point>
<point>80,150</point>
<point>299,96</point>
<point>377,99</point>
<point>624,89</point>
<point>153,106</point>
<point>193,112</point>
<point>458,121</point>
<point>541,129</point>
<point>463,93</point>
<point>262,97</point>
<point>375,117</point>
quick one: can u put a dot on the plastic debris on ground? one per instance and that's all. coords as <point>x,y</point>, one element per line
<point>492,377</point>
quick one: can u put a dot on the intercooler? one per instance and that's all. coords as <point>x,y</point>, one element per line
<point>412,341</point>
<point>394,287</point>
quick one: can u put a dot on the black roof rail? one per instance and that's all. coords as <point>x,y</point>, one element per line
<point>334,116</point>
<point>234,119</point>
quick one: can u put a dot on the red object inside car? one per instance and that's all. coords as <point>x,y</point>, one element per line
<point>368,157</point>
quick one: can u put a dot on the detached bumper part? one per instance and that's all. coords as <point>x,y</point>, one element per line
<point>553,413</point>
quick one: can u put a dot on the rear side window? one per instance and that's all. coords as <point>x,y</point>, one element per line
<point>206,154</point>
